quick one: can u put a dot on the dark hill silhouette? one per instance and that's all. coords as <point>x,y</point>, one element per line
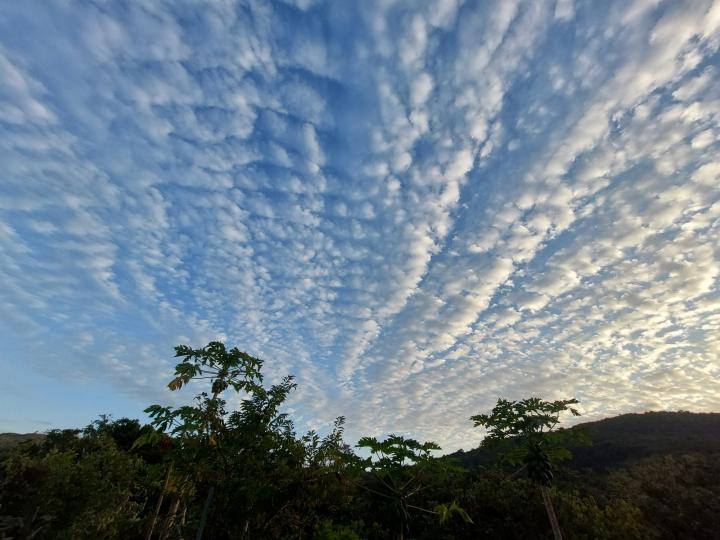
<point>627,438</point>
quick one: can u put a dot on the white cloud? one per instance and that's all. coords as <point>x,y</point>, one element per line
<point>421,88</point>
<point>414,208</point>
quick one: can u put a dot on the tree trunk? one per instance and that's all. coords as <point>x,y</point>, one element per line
<point>153,521</point>
<point>551,513</point>
<point>170,520</point>
<point>206,510</point>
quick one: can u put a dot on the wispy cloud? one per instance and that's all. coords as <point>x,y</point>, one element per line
<point>415,208</point>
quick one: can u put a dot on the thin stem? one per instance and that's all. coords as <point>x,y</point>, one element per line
<point>557,534</point>
<point>376,492</point>
<point>206,510</point>
<point>423,509</point>
<point>153,521</point>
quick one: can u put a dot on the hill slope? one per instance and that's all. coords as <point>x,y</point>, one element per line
<point>627,438</point>
<point>11,439</point>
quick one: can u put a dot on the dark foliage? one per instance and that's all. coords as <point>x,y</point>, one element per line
<point>627,438</point>
<point>247,473</point>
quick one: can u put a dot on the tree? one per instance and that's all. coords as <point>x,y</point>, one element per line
<point>75,484</point>
<point>249,462</point>
<point>528,427</point>
<point>199,432</point>
<point>401,467</point>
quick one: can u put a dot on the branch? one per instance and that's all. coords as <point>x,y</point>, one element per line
<point>521,469</point>
<point>375,492</point>
<point>423,509</point>
<point>384,483</point>
<point>415,476</point>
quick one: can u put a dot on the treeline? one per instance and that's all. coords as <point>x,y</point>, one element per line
<point>201,471</point>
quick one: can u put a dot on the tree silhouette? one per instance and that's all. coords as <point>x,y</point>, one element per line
<point>200,431</point>
<point>527,427</point>
<point>401,467</point>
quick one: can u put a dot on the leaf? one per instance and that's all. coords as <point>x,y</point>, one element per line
<point>464,515</point>
<point>529,426</point>
<point>558,453</point>
<point>445,512</point>
<point>149,438</point>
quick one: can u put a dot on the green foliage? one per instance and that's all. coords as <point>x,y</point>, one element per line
<point>72,485</point>
<point>527,431</point>
<point>224,368</point>
<point>446,511</point>
<point>249,459</point>
<point>402,468</point>
<point>530,420</point>
<point>327,530</point>
<point>258,478</point>
<point>525,418</point>
<point>584,519</point>
<point>679,494</point>
<point>396,453</point>
<point>529,426</point>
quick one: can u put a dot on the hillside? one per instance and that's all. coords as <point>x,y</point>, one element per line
<point>11,439</point>
<point>624,439</point>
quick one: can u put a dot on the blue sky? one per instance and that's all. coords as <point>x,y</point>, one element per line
<point>413,207</point>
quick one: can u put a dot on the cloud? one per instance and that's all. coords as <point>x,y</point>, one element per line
<point>414,208</point>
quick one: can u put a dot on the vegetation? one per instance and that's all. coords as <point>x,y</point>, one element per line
<point>528,426</point>
<point>203,471</point>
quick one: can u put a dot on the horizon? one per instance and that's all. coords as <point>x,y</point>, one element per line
<point>413,208</point>
<point>573,422</point>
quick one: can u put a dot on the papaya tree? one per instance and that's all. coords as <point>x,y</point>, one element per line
<point>248,459</point>
<point>402,468</point>
<point>199,432</point>
<point>528,429</point>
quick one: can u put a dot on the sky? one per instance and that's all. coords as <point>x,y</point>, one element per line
<point>415,208</point>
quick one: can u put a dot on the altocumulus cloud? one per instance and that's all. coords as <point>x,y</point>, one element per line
<point>413,207</point>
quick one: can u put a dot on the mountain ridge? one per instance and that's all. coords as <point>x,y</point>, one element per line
<point>627,438</point>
